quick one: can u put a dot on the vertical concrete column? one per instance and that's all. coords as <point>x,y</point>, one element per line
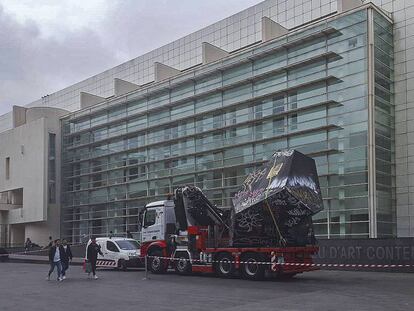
<point>372,180</point>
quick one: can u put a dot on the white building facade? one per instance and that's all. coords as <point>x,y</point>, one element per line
<point>29,177</point>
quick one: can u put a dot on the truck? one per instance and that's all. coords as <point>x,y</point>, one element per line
<point>267,232</point>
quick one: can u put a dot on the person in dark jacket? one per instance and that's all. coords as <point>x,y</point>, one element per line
<point>56,255</point>
<point>68,257</point>
<point>92,255</point>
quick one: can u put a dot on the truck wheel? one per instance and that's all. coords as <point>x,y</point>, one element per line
<point>156,264</point>
<point>182,264</point>
<point>224,267</point>
<point>251,269</point>
<point>122,264</point>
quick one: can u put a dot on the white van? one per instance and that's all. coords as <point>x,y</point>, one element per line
<point>119,253</point>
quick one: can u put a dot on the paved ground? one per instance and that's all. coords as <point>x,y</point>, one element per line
<point>23,287</point>
<point>27,258</point>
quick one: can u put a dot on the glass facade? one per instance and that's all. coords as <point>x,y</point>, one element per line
<point>212,126</point>
<point>384,125</point>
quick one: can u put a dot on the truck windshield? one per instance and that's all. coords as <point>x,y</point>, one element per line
<point>128,245</point>
<point>150,217</point>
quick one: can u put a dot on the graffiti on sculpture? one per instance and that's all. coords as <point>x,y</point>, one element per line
<point>250,220</point>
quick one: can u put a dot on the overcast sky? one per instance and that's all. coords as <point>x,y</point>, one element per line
<point>46,45</point>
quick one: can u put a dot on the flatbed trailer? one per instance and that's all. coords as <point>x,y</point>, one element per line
<point>278,262</point>
<point>253,263</point>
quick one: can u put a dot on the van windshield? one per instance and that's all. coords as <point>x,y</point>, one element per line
<point>128,245</point>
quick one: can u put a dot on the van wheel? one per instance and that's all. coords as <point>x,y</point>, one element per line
<point>156,264</point>
<point>182,264</point>
<point>224,266</point>
<point>122,264</point>
<point>251,269</point>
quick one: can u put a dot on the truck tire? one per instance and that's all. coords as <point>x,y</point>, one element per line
<point>251,269</point>
<point>156,264</point>
<point>224,266</point>
<point>122,264</point>
<point>182,264</point>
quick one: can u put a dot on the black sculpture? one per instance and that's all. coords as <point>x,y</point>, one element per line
<point>276,202</point>
<point>274,206</point>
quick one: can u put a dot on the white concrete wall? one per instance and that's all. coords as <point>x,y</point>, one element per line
<point>27,147</point>
<point>27,169</point>
<point>16,235</point>
<point>39,232</point>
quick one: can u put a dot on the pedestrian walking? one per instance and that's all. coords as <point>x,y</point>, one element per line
<point>67,258</point>
<point>56,253</point>
<point>92,255</point>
